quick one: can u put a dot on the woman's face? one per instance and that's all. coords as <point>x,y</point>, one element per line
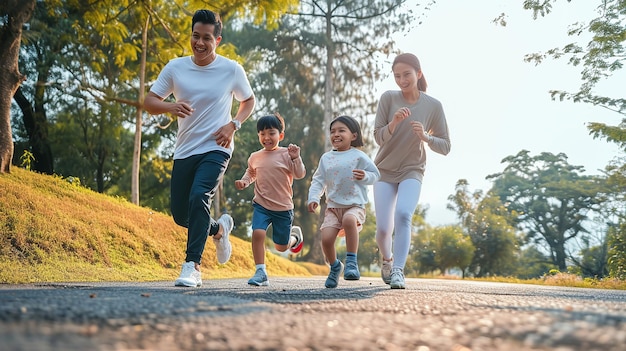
<point>406,76</point>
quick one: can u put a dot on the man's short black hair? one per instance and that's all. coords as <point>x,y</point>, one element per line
<point>208,17</point>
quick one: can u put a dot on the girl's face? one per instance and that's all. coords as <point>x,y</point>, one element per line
<point>406,77</point>
<point>269,138</point>
<point>340,136</point>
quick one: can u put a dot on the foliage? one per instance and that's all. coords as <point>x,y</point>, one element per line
<point>490,227</point>
<point>600,58</point>
<point>532,264</point>
<point>86,60</point>
<point>617,251</point>
<point>443,248</point>
<point>593,260</point>
<point>14,15</point>
<point>550,198</point>
<point>26,160</point>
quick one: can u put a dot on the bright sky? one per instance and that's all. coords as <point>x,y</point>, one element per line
<point>495,103</point>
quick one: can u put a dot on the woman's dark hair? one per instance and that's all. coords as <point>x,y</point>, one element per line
<point>274,121</point>
<point>354,127</point>
<point>208,17</point>
<point>414,62</point>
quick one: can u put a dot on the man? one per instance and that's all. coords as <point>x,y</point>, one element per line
<point>203,86</point>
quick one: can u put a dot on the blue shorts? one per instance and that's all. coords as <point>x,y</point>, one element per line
<point>281,222</point>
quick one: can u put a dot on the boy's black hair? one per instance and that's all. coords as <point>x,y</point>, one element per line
<point>208,17</point>
<point>354,127</point>
<point>274,121</point>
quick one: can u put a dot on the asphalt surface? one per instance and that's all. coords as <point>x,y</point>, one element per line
<point>300,314</point>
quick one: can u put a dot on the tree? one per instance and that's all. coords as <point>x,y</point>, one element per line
<point>452,248</point>
<point>43,53</point>
<point>617,251</point>
<point>443,248</point>
<point>551,199</point>
<point>600,58</point>
<point>15,14</point>
<point>125,44</point>
<point>489,225</point>
<point>532,263</point>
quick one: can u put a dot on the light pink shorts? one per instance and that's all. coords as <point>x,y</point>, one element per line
<point>333,217</point>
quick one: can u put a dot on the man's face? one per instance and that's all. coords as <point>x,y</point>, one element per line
<point>204,43</point>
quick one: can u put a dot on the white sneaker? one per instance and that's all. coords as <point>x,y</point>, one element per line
<point>297,233</point>
<point>385,270</point>
<point>189,276</point>
<point>222,245</point>
<point>397,279</point>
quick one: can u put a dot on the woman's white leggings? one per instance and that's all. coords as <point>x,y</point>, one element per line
<point>394,205</point>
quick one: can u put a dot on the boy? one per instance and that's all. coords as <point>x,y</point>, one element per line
<point>273,168</point>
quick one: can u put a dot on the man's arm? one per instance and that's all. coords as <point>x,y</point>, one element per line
<point>155,105</point>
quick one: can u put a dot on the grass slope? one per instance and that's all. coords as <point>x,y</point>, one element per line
<point>53,231</point>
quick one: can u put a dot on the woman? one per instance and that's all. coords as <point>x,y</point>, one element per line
<point>406,120</point>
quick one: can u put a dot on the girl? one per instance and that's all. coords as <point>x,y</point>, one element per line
<point>342,175</point>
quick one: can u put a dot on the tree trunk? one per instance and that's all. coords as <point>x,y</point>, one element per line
<point>315,253</point>
<point>559,250</point>
<point>14,13</point>
<point>36,125</point>
<point>134,187</point>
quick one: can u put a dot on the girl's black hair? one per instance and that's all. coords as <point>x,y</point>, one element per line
<point>274,121</point>
<point>208,17</point>
<point>354,127</point>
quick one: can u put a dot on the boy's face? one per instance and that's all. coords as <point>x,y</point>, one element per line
<point>269,138</point>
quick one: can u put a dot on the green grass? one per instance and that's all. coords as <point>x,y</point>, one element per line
<point>552,279</point>
<point>53,231</point>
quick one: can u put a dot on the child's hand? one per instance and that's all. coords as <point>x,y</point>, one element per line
<point>358,174</point>
<point>313,206</point>
<point>294,151</point>
<point>240,185</point>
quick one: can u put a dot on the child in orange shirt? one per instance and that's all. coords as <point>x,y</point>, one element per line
<point>273,168</point>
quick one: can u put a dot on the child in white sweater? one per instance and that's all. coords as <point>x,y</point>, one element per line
<point>343,175</point>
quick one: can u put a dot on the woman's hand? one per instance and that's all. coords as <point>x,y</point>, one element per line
<point>399,116</point>
<point>418,129</point>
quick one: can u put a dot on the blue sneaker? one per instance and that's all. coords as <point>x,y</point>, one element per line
<point>259,278</point>
<point>352,271</point>
<point>333,276</point>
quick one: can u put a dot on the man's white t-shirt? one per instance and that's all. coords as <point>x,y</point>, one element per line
<point>209,90</point>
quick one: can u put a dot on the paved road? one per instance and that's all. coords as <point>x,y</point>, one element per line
<point>299,314</point>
